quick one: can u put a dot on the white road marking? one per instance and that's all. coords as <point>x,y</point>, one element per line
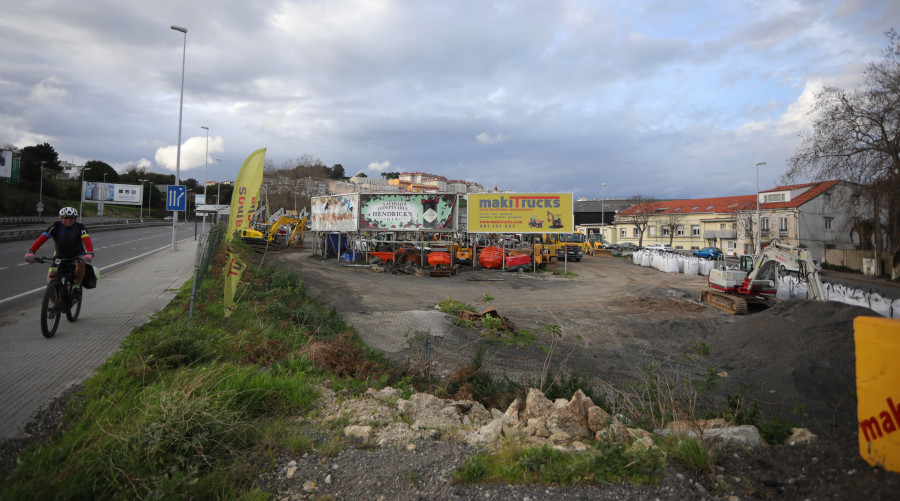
<point>101,269</point>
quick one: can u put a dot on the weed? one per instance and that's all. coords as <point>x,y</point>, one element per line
<point>608,462</point>
<point>453,306</point>
<point>411,477</point>
<point>691,452</point>
<point>486,298</point>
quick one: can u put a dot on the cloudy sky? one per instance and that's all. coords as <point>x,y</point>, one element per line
<point>668,99</point>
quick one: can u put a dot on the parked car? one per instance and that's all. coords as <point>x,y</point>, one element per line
<point>708,253</point>
<point>627,246</point>
<point>660,247</point>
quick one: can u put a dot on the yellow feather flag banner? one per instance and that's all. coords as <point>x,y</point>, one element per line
<point>233,269</point>
<point>245,197</point>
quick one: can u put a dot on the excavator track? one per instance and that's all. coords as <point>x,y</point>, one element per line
<point>728,303</point>
<point>260,245</point>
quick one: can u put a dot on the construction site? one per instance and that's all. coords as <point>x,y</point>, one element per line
<point>562,304</point>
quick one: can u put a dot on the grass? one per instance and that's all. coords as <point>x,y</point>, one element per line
<point>605,462</point>
<point>196,408</point>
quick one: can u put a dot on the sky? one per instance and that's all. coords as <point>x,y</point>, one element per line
<point>653,98</point>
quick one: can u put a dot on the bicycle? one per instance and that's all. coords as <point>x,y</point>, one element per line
<point>58,297</point>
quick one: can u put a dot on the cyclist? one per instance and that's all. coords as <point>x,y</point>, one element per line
<point>71,239</point>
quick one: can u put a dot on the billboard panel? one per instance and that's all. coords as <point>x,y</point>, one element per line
<point>407,211</point>
<point>5,163</point>
<point>124,194</point>
<point>334,213</point>
<point>520,213</point>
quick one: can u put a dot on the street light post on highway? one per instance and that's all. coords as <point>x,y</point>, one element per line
<point>205,176</point>
<point>142,202</point>
<point>218,184</point>
<point>758,220</point>
<point>40,204</point>
<point>178,153</point>
<point>81,203</point>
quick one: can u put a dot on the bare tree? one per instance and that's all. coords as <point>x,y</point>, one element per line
<point>671,222</point>
<point>855,136</point>
<point>639,214</point>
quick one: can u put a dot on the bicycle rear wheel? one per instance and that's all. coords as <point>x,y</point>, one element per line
<point>74,306</point>
<point>50,309</point>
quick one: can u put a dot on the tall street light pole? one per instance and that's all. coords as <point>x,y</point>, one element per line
<point>218,184</point>
<point>205,176</point>
<point>602,213</point>
<point>758,220</point>
<point>81,206</point>
<point>178,153</point>
<point>40,204</point>
<point>142,202</point>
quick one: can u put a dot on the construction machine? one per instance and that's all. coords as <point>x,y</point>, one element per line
<point>544,249</point>
<point>282,230</point>
<point>571,247</point>
<point>755,283</point>
<point>595,242</point>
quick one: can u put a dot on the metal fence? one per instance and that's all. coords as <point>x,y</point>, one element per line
<point>207,247</point>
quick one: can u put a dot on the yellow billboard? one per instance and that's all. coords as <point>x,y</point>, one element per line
<point>520,213</point>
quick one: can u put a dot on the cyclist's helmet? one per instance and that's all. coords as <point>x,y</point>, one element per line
<point>68,212</point>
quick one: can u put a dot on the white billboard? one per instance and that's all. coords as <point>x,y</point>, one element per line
<point>125,194</point>
<point>5,163</point>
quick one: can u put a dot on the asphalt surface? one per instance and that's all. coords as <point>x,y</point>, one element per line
<point>35,370</point>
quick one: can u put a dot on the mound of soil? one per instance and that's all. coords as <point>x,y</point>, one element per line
<point>798,359</point>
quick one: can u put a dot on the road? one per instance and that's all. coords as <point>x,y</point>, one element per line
<point>23,283</point>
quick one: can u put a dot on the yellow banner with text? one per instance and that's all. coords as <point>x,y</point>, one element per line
<point>520,213</point>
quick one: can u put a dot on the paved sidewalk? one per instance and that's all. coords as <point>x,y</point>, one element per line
<point>35,370</point>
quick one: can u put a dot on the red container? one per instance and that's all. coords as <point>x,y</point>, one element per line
<point>490,257</point>
<point>384,256</point>
<point>438,258</point>
<point>518,260</point>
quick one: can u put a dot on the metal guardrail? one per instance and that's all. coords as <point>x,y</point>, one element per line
<point>32,233</point>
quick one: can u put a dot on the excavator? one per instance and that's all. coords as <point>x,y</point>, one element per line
<point>756,281</point>
<point>281,230</point>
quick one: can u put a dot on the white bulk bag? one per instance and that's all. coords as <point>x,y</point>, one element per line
<point>783,288</point>
<point>691,266</point>
<point>671,264</point>
<point>880,305</point>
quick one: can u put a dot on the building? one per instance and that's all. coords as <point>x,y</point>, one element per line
<point>686,224</point>
<point>816,216</point>
<point>813,215</point>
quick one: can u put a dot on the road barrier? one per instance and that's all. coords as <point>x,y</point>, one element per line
<point>33,233</point>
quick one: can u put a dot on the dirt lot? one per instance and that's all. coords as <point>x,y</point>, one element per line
<point>617,318</point>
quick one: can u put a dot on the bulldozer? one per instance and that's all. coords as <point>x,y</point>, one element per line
<point>282,230</point>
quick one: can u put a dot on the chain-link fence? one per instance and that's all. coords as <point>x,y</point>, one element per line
<point>206,250</point>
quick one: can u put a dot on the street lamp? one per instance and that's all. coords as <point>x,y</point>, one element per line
<point>81,206</point>
<point>178,153</point>
<point>40,204</point>
<point>205,175</point>
<point>206,162</point>
<point>758,221</point>
<point>142,202</point>
<point>218,184</point>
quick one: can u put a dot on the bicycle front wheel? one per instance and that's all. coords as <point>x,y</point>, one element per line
<point>50,310</point>
<point>74,306</point>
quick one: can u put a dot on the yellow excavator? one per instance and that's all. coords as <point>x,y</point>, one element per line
<point>282,230</point>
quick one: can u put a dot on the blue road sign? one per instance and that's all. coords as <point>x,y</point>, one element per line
<point>176,197</point>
